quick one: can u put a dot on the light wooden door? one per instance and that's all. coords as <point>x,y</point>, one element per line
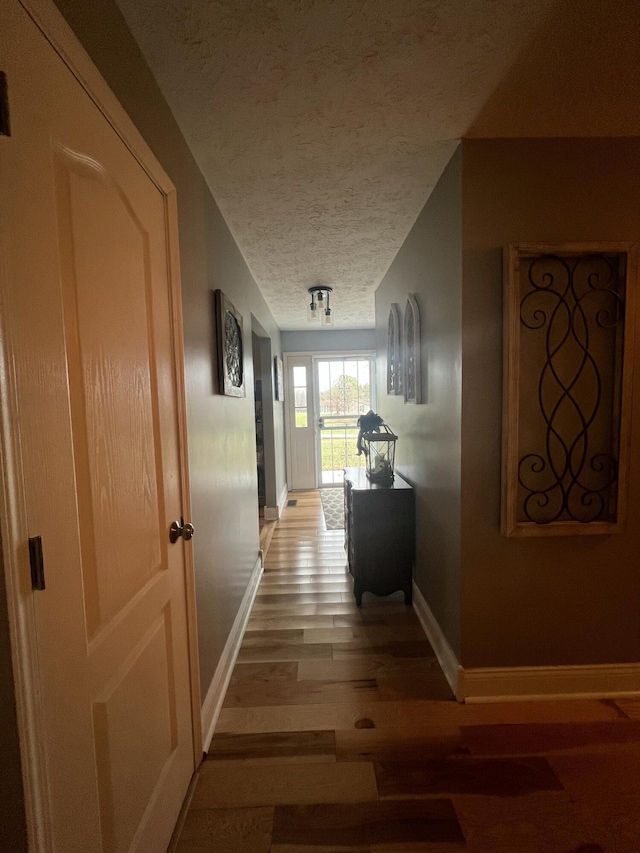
<point>87,330</point>
<point>300,422</point>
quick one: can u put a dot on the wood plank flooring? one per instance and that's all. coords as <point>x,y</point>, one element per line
<point>339,733</point>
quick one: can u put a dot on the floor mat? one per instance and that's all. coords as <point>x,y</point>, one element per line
<point>333,508</point>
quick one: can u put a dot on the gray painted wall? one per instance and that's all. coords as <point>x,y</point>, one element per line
<point>505,601</point>
<point>551,600</point>
<point>429,265</point>
<point>220,429</point>
<point>331,340</point>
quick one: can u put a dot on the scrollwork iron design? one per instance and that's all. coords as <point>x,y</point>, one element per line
<point>577,304</point>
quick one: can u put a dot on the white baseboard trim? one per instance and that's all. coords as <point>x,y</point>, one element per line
<point>218,687</point>
<point>273,513</point>
<point>282,500</point>
<point>527,683</point>
<point>445,654</point>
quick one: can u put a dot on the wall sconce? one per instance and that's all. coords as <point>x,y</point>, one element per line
<point>319,308</point>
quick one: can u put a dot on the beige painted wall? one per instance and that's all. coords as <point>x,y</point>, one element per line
<point>565,600</point>
<point>577,75</point>
<point>221,429</point>
<point>428,451</point>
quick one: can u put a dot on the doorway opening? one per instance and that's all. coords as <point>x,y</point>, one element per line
<point>259,425</point>
<point>344,392</point>
<point>264,403</point>
<point>326,394</point>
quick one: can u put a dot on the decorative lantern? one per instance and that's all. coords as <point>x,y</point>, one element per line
<point>378,444</point>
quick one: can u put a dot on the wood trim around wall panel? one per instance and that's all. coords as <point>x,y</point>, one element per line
<point>510,525</point>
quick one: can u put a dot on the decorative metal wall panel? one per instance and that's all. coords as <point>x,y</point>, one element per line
<point>230,348</point>
<point>568,330</point>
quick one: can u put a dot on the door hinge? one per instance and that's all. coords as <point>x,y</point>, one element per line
<point>37,562</point>
<point>5,127</point>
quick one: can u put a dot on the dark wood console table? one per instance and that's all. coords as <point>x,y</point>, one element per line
<point>379,523</point>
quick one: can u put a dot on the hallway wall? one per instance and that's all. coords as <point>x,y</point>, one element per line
<point>557,600</point>
<point>328,340</point>
<point>505,601</point>
<point>220,429</point>
<point>429,264</point>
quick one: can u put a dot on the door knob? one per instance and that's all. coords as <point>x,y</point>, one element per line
<point>178,529</point>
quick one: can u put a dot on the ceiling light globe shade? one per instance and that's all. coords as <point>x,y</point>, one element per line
<point>312,313</point>
<point>327,318</point>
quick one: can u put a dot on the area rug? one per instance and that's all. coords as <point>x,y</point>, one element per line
<point>333,508</point>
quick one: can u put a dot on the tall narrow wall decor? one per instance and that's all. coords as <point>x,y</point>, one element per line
<point>394,352</point>
<point>412,380</point>
<point>229,335</point>
<point>568,345</point>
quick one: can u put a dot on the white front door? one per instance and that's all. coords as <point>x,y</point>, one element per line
<point>344,391</point>
<point>300,422</point>
<point>87,336</point>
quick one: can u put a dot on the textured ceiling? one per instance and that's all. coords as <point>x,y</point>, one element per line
<point>321,126</point>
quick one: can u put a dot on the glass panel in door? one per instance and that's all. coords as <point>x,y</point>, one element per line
<point>344,393</point>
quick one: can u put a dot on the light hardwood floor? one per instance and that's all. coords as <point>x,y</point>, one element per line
<point>339,733</point>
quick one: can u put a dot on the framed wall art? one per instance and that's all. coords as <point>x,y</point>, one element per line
<point>412,380</point>
<point>568,349</point>
<point>278,378</point>
<point>394,352</point>
<point>230,347</point>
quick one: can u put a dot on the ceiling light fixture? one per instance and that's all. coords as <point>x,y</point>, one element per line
<point>319,308</point>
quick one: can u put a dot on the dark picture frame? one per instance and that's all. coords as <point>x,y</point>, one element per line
<point>278,378</point>
<point>230,347</point>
